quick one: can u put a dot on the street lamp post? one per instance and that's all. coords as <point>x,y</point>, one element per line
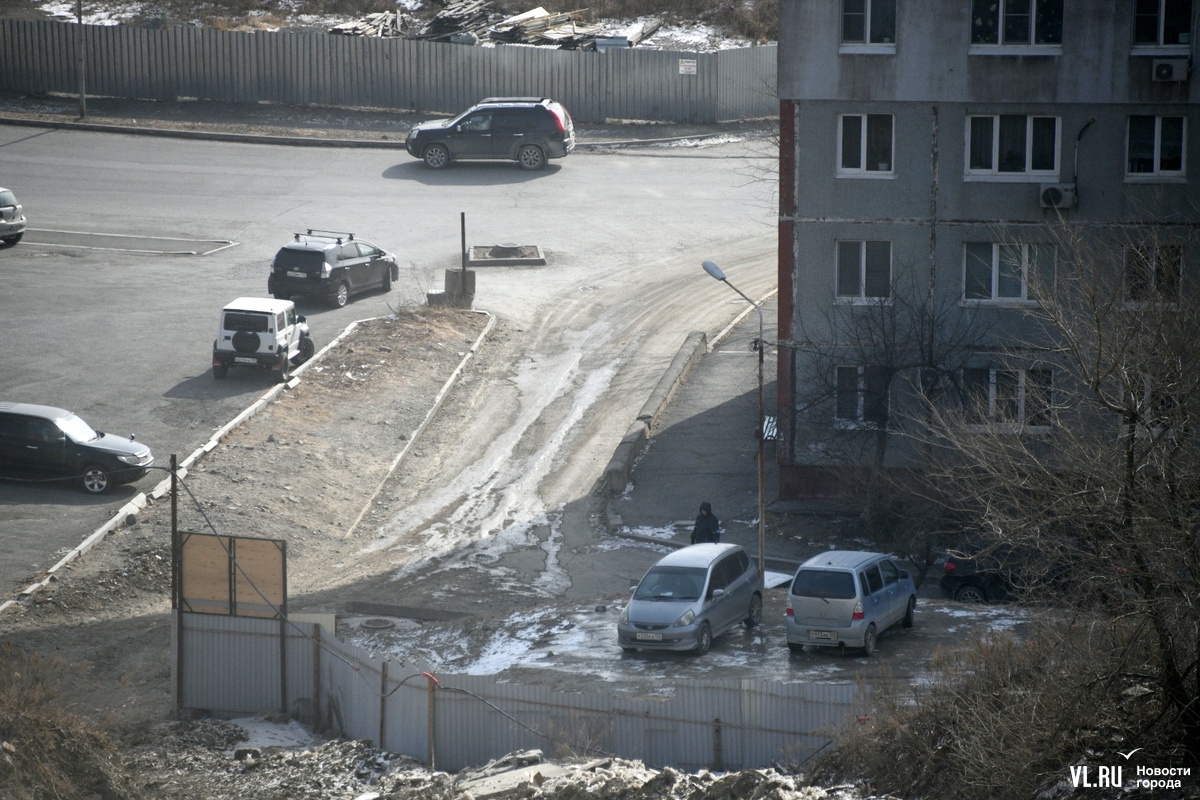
<point>712,269</point>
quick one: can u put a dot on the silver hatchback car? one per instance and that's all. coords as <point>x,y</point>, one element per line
<point>12,218</point>
<point>847,598</point>
<point>691,596</point>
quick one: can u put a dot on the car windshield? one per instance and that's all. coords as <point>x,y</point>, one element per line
<point>76,429</point>
<point>671,583</point>
<point>824,583</point>
<point>243,321</point>
<point>7,198</point>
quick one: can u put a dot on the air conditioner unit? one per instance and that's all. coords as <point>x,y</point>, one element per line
<point>1169,69</point>
<point>1057,195</point>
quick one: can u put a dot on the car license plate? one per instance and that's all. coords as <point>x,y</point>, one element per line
<point>649,637</point>
<point>822,635</point>
<point>293,274</point>
<point>244,360</point>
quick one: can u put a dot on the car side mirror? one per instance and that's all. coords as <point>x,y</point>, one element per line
<point>717,593</point>
<point>300,318</point>
<point>903,573</point>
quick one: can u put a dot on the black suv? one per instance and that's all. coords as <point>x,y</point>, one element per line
<point>528,130</point>
<point>332,265</point>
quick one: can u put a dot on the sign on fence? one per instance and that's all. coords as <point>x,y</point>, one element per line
<point>233,575</point>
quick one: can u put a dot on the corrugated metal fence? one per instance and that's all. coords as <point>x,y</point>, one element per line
<point>321,69</point>
<point>234,666</point>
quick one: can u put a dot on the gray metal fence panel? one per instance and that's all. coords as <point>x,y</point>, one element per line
<point>319,69</point>
<point>230,664</point>
<point>746,87</point>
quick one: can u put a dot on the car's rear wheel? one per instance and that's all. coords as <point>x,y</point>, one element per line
<point>910,611</point>
<point>340,295</point>
<point>220,371</point>
<point>531,157</point>
<point>95,479</point>
<point>970,593</point>
<point>285,368</point>
<point>754,616</point>
<point>796,648</point>
<point>703,639</point>
<point>436,156</point>
<point>869,641</point>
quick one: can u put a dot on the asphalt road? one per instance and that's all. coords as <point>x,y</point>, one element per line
<point>118,328</point>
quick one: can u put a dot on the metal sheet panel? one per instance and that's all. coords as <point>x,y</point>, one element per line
<point>747,83</point>
<point>230,665</point>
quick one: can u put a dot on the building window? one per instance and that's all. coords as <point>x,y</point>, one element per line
<point>868,21</point>
<point>1162,22</point>
<point>1007,398</point>
<point>1153,273</point>
<point>1016,22</point>
<point>1155,146</point>
<point>864,270</point>
<point>1012,144</point>
<point>1002,272</point>
<point>862,397</point>
<point>1154,409</point>
<point>865,143</point>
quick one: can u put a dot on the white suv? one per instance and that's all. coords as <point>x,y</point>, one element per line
<point>263,333</point>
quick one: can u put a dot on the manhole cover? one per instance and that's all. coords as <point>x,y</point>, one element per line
<point>377,624</point>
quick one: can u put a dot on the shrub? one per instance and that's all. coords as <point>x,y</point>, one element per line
<point>48,751</point>
<point>1006,718</point>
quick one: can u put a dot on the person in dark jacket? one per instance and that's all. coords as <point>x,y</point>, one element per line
<point>707,527</point>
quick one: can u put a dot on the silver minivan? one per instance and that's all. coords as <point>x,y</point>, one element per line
<point>690,597</point>
<point>847,598</point>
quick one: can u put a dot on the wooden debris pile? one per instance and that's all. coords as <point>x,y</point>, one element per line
<point>474,22</point>
<point>540,27</point>
<point>459,18</point>
<point>384,24</point>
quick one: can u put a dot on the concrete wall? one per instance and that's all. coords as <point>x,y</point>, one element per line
<point>931,81</point>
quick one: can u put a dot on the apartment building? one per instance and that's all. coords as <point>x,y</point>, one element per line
<point>927,150</point>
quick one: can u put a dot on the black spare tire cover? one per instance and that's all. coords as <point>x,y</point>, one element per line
<point>245,342</point>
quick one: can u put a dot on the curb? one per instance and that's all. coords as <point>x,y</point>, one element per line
<point>616,474</point>
<point>620,466</point>
<point>128,512</point>
<point>437,405</point>
<point>295,141</point>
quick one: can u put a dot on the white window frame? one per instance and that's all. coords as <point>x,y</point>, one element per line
<point>863,171</point>
<point>866,46</point>
<point>1027,249</point>
<point>861,298</point>
<point>1024,48</point>
<point>860,391</point>
<point>1154,251</point>
<point>1158,47</point>
<point>1019,426</point>
<point>1158,175</point>
<point>1028,175</point>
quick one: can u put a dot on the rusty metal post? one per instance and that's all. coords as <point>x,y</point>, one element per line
<point>316,689</point>
<point>383,670</point>
<point>430,727</point>
<point>718,753</point>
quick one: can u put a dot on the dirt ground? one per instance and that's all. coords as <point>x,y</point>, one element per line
<point>306,469</point>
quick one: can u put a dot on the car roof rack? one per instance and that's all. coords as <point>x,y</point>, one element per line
<point>327,234</point>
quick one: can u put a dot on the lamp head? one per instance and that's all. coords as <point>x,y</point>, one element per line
<point>712,269</point>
